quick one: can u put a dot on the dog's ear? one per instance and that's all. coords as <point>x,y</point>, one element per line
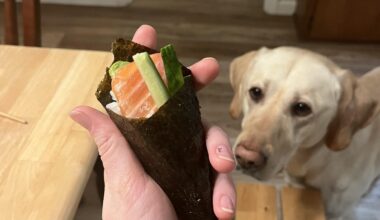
<point>238,68</point>
<point>357,108</point>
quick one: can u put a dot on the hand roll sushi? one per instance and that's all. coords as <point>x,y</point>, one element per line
<point>149,95</point>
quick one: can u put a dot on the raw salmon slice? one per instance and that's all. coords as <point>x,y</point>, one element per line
<point>131,92</point>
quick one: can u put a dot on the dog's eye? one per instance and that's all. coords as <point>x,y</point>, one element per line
<point>256,94</point>
<point>301,109</point>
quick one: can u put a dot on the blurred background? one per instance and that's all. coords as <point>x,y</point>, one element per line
<point>347,31</point>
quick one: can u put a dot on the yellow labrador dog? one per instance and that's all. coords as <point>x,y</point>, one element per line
<point>305,115</point>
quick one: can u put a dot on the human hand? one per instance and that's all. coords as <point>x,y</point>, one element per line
<point>129,192</point>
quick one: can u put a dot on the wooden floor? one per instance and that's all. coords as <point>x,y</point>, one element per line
<point>223,29</point>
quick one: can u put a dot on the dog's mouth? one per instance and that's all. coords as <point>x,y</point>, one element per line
<point>261,173</point>
<point>250,167</point>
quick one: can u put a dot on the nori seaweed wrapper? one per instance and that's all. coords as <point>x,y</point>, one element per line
<point>170,144</point>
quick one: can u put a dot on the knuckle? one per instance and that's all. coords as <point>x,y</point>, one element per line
<point>106,142</point>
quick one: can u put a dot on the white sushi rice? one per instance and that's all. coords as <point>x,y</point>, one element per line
<point>113,95</point>
<point>113,106</point>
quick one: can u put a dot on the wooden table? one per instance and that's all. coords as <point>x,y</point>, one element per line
<point>265,202</point>
<point>46,163</point>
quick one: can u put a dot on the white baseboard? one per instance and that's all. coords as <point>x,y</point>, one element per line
<point>109,3</point>
<point>280,7</point>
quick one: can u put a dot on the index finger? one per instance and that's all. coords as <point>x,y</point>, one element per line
<point>219,150</point>
<point>204,71</point>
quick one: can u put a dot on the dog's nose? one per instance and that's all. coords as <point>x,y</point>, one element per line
<point>248,158</point>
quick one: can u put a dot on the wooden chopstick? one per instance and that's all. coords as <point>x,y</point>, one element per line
<point>13,118</point>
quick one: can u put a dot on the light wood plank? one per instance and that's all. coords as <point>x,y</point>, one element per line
<point>256,201</point>
<point>46,163</point>
<point>299,204</point>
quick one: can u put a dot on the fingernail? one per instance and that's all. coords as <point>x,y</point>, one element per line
<point>81,118</point>
<point>209,58</point>
<point>227,205</point>
<point>212,59</point>
<point>224,153</point>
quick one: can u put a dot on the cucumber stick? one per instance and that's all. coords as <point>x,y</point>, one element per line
<point>173,69</point>
<point>115,67</point>
<point>152,78</point>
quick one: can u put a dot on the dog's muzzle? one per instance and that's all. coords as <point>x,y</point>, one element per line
<point>249,159</point>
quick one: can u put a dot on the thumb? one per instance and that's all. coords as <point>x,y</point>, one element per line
<point>117,157</point>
